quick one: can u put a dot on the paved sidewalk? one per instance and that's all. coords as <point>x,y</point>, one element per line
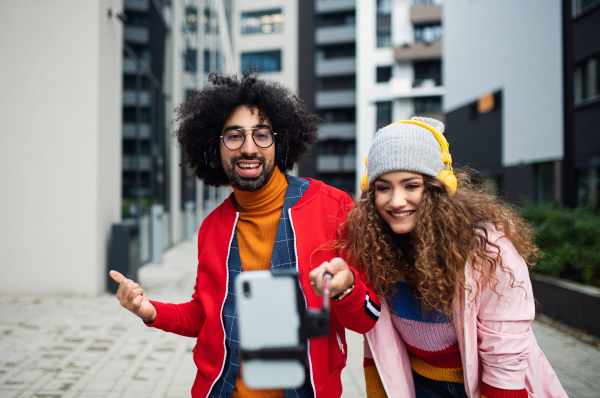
<point>92,348</point>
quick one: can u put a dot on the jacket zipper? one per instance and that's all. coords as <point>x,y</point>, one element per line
<point>310,369</point>
<point>340,343</point>
<point>237,215</point>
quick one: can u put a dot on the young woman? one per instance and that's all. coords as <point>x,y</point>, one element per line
<point>450,264</point>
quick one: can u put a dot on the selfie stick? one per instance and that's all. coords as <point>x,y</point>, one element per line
<point>326,289</point>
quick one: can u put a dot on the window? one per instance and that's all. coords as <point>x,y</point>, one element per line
<point>384,114</point>
<point>427,73</point>
<point>206,20</point>
<point>267,61</point>
<point>190,22</point>
<point>135,18</point>
<point>338,115</point>
<point>384,74</point>
<point>428,33</point>
<point>191,60</point>
<point>580,6</point>
<point>427,2</point>
<point>336,83</point>
<point>335,147</point>
<point>587,80</point>
<point>384,7</point>
<point>268,21</point>
<point>206,61</point>
<point>336,51</point>
<point>428,105</point>
<point>336,19</point>
<point>384,37</point>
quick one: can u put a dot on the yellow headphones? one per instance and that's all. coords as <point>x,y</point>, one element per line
<point>446,176</point>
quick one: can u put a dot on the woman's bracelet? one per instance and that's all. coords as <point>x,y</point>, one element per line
<point>342,295</point>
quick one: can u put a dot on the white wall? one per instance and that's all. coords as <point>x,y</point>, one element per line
<point>287,40</point>
<point>515,46</point>
<point>60,145</point>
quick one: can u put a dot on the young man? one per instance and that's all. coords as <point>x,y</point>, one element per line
<point>246,132</point>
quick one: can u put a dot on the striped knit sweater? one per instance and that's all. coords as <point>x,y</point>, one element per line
<point>432,346</point>
<point>431,341</point>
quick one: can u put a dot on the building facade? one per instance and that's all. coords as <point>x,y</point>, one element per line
<point>90,139</point>
<point>399,66</point>
<point>507,90</point>
<point>581,85</point>
<point>60,146</point>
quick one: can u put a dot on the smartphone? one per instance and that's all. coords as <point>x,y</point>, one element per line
<point>270,311</point>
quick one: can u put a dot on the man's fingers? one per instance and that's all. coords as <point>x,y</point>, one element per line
<point>138,291</point>
<point>137,302</point>
<point>117,276</point>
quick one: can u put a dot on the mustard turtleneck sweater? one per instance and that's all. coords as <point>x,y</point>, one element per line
<point>259,218</point>
<point>256,229</point>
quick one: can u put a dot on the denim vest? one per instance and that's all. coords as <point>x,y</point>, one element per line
<point>284,257</point>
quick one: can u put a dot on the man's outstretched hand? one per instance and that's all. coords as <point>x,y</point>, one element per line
<point>132,297</point>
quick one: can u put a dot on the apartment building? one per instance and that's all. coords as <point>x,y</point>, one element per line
<point>522,103</point>
<point>581,104</point>
<point>265,35</point>
<point>169,50</point>
<point>333,93</point>
<point>399,66</point>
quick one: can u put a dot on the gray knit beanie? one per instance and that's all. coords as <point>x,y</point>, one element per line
<point>404,146</point>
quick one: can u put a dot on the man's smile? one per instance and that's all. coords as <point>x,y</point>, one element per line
<point>249,168</point>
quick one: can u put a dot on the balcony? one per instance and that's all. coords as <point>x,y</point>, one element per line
<point>418,51</point>
<point>136,34</point>
<point>129,131</point>
<point>130,97</point>
<point>129,66</point>
<point>339,131</point>
<point>334,5</point>
<point>335,34</point>
<point>437,116</point>
<point>425,14</point>
<point>335,163</point>
<point>137,5</point>
<point>336,66</point>
<point>335,99</point>
<point>130,163</point>
<point>407,88</point>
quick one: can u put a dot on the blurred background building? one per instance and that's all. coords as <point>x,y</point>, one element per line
<point>88,91</point>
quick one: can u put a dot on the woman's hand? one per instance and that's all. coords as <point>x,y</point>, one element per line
<point>343,277</point>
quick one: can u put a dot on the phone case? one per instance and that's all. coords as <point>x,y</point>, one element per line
<point>269,319</point>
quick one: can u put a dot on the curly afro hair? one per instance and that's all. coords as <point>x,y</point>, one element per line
<point>202,116</point>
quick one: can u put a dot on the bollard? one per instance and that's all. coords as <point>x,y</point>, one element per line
<point>157,230</point>
<point>190,220</point>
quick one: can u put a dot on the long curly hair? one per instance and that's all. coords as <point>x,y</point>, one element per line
<point>451,231</point>
<point>202,115</point>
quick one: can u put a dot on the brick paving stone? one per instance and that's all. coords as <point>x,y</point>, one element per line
<point>84,347</point>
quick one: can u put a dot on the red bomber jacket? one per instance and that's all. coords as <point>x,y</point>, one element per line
<point>315,219</point>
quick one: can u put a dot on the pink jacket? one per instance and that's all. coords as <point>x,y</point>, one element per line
<point>495,338</point>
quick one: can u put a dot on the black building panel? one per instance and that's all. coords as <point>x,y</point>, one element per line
<point>476,139</point>
<point>587,134</point>
<point>519,181</point>
<point>586,35</point>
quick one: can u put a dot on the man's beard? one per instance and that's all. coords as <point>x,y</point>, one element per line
<point>249,184</point>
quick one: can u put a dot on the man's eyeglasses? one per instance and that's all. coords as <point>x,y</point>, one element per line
<point>262,136</point>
